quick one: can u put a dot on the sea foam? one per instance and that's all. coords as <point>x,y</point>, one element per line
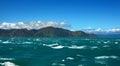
<point>57,64</point>
<point>77,47</point>
<point>7,59</point>
<point>54,46</point>
<point>6,42</point>
<point>27,42</point>
<point>58,47</point>
<point>106,57</point>
<point>8,64</point>
<point>70,58</point>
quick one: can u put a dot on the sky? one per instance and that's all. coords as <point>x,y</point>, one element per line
<point>88,15</point>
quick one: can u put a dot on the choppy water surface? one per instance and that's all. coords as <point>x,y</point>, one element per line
<point>59,52</point>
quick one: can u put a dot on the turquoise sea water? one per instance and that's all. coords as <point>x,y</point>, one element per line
<point>59,52</point>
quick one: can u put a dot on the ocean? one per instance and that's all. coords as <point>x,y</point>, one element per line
<point>59,51</point>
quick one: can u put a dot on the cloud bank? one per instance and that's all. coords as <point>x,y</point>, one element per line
<point>32,25</point>
<point>41,24</point>
<point>103,31</point>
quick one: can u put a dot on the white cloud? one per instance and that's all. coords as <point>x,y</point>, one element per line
<point>33,25</point>
<point>100,30</point>
<point>114,30</point>
<point>89,27</point>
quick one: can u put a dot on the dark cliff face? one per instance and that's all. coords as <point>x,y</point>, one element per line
<point>44,32</point>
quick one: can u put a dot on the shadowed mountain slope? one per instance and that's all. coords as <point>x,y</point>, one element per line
<point>44,32</point>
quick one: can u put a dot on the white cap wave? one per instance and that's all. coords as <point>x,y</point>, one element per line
<point>8,64</point>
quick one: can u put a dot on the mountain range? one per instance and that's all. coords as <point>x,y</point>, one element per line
<point>44,32</point>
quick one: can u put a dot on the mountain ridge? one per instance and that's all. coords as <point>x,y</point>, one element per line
<point>44,32</point>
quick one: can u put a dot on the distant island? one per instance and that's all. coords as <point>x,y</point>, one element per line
<point>47,32</point>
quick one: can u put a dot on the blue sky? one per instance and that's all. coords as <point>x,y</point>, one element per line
<point>80,14</point>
